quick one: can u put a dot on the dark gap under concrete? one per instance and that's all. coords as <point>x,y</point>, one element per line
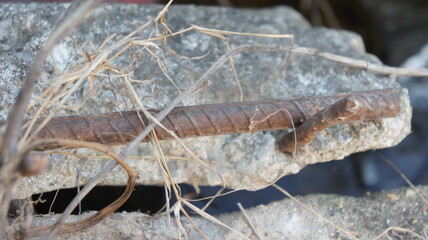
<point>146,199</point>
<point>345,177</point>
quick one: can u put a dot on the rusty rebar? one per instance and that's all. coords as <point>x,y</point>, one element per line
<point>348,109</point>
<point>217,119</point>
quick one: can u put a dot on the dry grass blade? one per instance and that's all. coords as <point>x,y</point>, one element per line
<point>349,234</point>
<point>212,219</point>
<point>249,222</point>
<point>362,64</point>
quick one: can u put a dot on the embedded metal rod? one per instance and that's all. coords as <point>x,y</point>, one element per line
<point>348,109</point>
<point>220,119</point>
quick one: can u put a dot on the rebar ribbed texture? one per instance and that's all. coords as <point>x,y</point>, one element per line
<point>216,119</point>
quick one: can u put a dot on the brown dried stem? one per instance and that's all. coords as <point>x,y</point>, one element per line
<point>80,225</point>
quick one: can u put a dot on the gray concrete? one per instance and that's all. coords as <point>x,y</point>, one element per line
<point>366,218</point>
<point>24,27</point>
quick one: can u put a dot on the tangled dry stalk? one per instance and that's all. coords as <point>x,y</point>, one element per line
<point>97,67</point>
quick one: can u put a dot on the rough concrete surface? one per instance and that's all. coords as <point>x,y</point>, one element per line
<point>24,27</point>
<point>366,218</point>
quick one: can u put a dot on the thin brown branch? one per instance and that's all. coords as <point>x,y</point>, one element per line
<point>80,225</point>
